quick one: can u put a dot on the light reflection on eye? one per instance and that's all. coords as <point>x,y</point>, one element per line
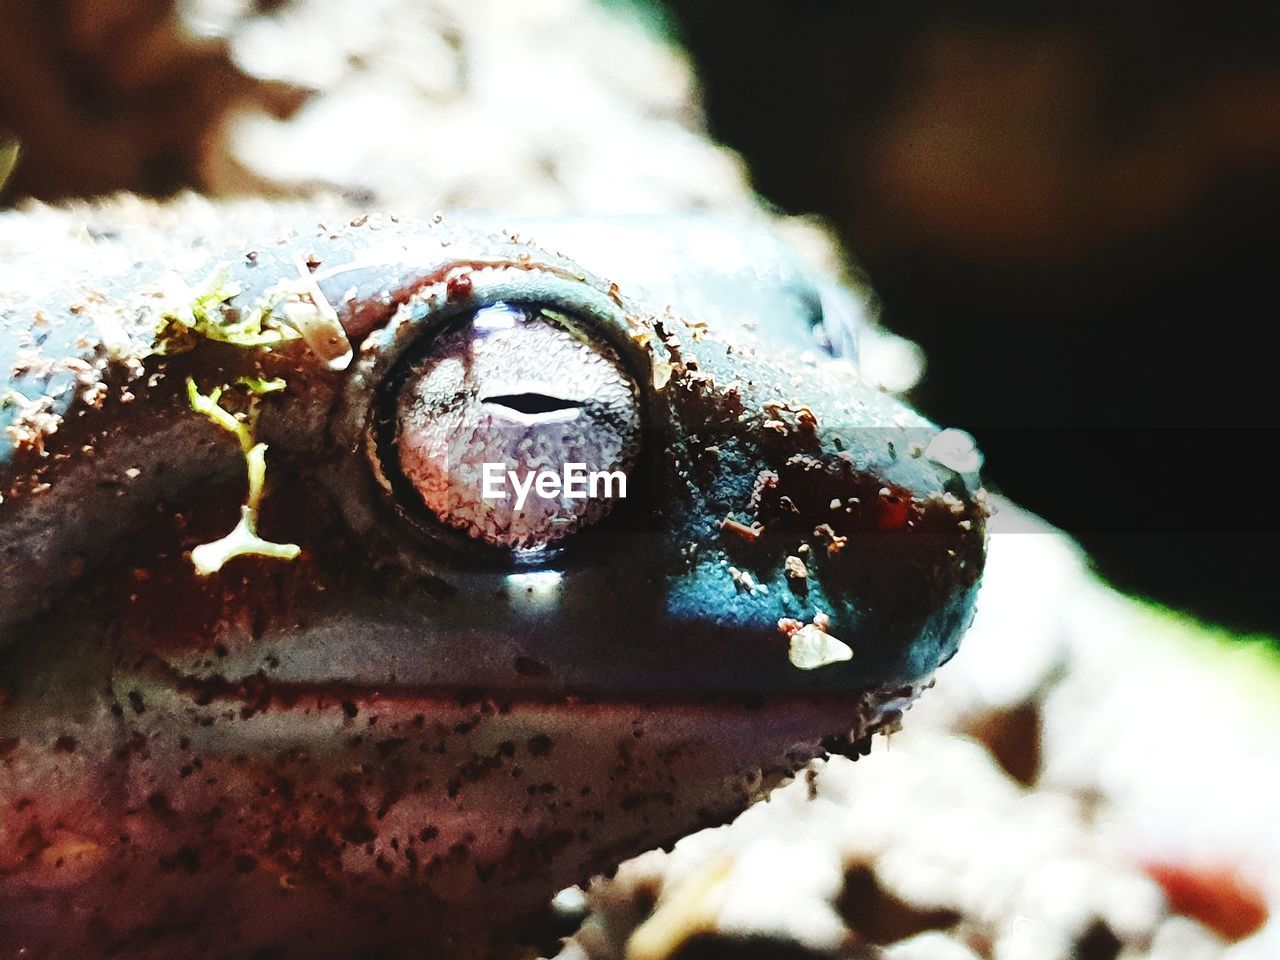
<point>539,588</point>
<point>497,317</point>
<point>515,393</point>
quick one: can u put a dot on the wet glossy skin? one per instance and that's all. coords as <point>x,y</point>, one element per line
<point>402,741</point>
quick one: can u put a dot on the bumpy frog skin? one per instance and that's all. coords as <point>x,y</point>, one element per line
<point>404,741</point>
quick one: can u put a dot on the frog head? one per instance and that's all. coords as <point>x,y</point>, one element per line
<point>363,585</point>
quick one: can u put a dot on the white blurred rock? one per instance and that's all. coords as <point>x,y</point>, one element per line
<point>1181,939</point>
<point>929,946</point>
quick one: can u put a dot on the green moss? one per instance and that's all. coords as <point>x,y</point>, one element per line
<point>259,386</point>
<point>209,406</point>
<point>243,540</point>
<point>191,314</point>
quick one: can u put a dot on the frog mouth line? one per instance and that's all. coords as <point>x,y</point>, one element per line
<point>258,693</point>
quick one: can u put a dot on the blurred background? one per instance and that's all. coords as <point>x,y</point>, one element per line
<point>1073,209</point>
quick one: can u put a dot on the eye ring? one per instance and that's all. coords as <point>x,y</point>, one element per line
<point>376,503</point>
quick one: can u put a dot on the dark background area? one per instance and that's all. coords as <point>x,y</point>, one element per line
<point>1074,211</point>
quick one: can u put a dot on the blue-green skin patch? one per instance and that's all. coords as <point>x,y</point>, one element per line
<point>400,730</point>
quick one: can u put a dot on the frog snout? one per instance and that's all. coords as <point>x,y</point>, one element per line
<point>885,561</point>
<point>844,531</point>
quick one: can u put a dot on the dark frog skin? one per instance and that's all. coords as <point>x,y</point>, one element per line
<point>405,733</point>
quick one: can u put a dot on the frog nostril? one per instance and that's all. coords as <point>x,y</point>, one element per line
<point>532,403</point>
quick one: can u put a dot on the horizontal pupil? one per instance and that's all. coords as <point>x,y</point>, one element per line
<point>531,403</point>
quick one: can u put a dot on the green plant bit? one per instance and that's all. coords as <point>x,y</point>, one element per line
<point>208,558</point>
<point>259,386</point>
<point>190,314</point>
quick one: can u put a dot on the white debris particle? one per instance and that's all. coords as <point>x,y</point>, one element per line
<point>812,648</point>
<point>956,450</point>
<point>742,579</point>
<point>795,569</point>
<point>662,370</point>
<point>570,900</point>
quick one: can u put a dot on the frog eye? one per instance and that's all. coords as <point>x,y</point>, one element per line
<point>514,427</point>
